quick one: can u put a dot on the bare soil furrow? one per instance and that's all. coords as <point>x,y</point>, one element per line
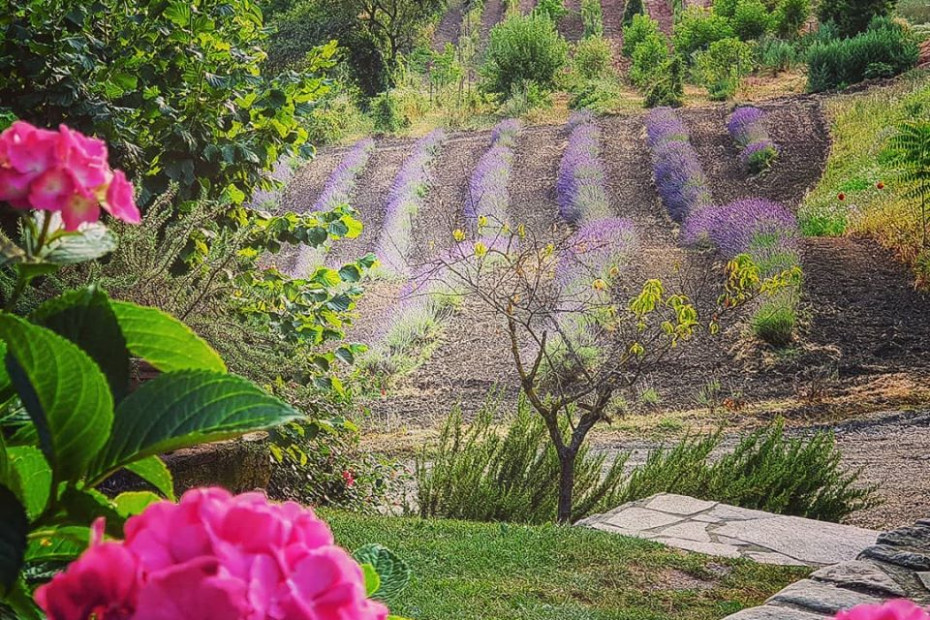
<point>571,25</point>
<point>492,15</point>
<point>450,26</point>
<point>532,183</point>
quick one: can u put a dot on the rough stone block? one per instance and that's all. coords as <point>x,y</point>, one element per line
<point>857,574</point>
<point>822,597</point>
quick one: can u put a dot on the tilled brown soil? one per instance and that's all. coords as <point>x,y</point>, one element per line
<point>612,11</point>
<point>450,27</point>
<point>492,15</point>
<point>571,25</point>
<point>661,11</point>
<point>527,5</point>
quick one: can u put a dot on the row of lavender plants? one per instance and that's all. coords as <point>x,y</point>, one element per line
<point>767,232</point>
<point>747,128</point>
<point>406,198</point>
<point>433,292</point>
<point>678,175</point>
<point>600,249</point>
<point>337,191</point>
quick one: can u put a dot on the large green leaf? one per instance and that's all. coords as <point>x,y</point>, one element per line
<point>187,408</point>
<point>58,544</point>
<point>94,241</point>
<point>65,393</point>
<point>85,318</point>
<point>88,505</point>
<point>163,341</point>
<point>12,537</point>
<point>134,502</point>
<point>393,572</point>
<point>33,478</point>
<point>154,471</point>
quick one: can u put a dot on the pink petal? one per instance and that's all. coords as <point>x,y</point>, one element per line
<point>85,157</point>
<point>52,190</point>
<point>14,187</point>
<point>81,208</point>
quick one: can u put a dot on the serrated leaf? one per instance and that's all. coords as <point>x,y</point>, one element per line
<point>33,478</point>
<point>65,393</point>
<point>84,317</point>
<point>12,538</point>
<point>187,408</point>
<point>92,242</point>
<point>133,503</point>
<point>163,341</point>
<point>393,572</point>
<point>154,471</point>
<point>60,544</point>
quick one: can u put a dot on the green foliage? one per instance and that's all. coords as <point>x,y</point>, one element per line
<point>387,115</point>
<point>790,16</point>
<point>725,8</point>
<point>853,16</point>
<point>602,96</point>
<point>69,421</point>
<point>649,56</point>
<point>667,87</point>
<point>631,10</point>
<point>478,474</point>
<point>393,573</point>
<point>776,55</point>
<point>884,50</point>
<point>179,96</point>
<point>593,58</point>
<point>721,67</point>
<point>751,20</point>
<point>640,28</point>
<point>523,50</point>
<point>697,28</point>
<point>909,151</point>
<point>592,16</point>
<point>552,9</point>
<point>767,470</point>
<point>776,320</point>
<point>914,11</point>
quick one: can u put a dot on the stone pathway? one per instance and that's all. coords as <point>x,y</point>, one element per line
<point>898,566</point>
<point>718,529</point>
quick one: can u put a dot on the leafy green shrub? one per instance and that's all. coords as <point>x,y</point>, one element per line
<point>640,28</point>
<point>553,9</point>
<point>790,16</point>
<point>667,87</point>
<point>776,55</point>
<point>721,67</point>
<point>853,16</point>
<point>885,49</point>
<point>649,56</point>
<point>725,8</point>
<point>767,471</point>
<point>387,115</point>
<point>523,50</point>
<point>592,15</point>
<point>478,474</point>
<point>697,28</point>
<point>776,321</point>
<point>600,96</point>
<point>593,58</point>
<point>631,10</point>
<point>914,11</point>
<point>751,20</point>
<point>191,107</point>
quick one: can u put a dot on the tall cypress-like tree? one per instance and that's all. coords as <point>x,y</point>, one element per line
<point>853,16</point>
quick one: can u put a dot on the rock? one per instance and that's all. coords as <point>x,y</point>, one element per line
<point>688,530</point>
<point>899,557</point>
<point>774,613</point>
<point>916,537</point>
<point>770,557</point>
<point>237,466</point>
<point>636,518</point>
<point>821,597</point>
<point>924,578</point>
<point>678,504</point>
<point>857,574</point>
<point>709,548</point>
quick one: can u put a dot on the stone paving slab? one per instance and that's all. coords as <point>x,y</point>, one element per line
<point>729,531</point>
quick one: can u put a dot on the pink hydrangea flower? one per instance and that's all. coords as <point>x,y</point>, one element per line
<point>62,171</point>
<point>894,610</point>
<point>215,556</point>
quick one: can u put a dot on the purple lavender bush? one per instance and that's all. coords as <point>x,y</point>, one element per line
<point>769,234</point>
<point>580,187</point>
<point>488,193</point>
<point>269,198</point>
<point>747,128</point>
<point>404,202</point>
<point>677,171</point>
<point>343,179</point>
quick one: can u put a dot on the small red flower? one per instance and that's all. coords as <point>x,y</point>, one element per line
<point>880,185</point>
<point>842,196</point>
<point>349,478</point>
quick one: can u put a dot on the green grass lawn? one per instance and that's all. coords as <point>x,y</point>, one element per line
<point>471,571</point>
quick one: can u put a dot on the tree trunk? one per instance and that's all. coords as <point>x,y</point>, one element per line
<point>566,484</point>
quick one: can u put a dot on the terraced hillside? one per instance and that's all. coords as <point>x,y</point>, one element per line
<point>864,324</point>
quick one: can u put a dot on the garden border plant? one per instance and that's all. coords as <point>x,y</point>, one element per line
<point>747,129</point>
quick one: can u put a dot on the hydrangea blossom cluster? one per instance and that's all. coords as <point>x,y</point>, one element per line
<point>341,182</point>
<point>214,556</point>
<point>765,230</point>
<point>747,128</point>
<point>679,177</point>
<point>580,184</point>
<point>893,610</point>
<point>62,172</point>
<point>404,202</point>
<point>487,189</point>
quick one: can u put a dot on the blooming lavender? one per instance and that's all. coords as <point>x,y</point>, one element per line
<point>488,195</point>
<point>580,184</point>
<point>747,128</point>
<point>342,181</point>
<point>677,171</point>
<point>269,199</point>
<point>599,250</point>
<point>404,202</point>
